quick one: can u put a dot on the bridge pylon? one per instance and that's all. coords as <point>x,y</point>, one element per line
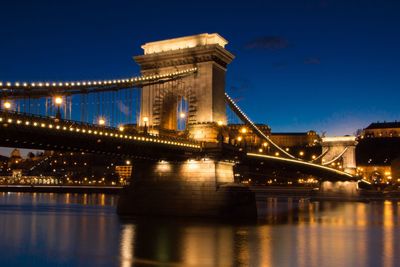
<point>340,148</point>
<point>203,92</point>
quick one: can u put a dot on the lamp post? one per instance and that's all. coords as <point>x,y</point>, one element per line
<point>220,136</point>
<point>145,120</point>
<point>239,139</point>
<point>182,121</point>
<point>243,130</point>
<point>58,101</point>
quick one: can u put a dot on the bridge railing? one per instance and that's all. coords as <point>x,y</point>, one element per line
<point>21,117</point>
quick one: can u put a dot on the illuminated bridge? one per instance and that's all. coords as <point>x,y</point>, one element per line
<point>171,120</point>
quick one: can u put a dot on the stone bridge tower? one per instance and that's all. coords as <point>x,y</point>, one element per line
<point>202,91</point>
<point>343,146</point>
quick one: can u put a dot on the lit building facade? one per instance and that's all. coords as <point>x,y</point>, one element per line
<point>305,139</point>
<point>378,152</point>
<point>382,129</point>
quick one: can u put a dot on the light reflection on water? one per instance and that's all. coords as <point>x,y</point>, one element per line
<point>83,230</point>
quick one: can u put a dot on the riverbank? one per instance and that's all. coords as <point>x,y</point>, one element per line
<point>261,192</point>
<point>61,189</point>
<point>315,194</point>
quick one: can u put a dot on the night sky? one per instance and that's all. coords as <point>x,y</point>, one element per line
<point>327,65</point>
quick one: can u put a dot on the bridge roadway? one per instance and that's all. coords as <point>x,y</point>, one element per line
<point>39,132</point>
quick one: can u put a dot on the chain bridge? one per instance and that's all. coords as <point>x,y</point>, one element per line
<point>171,120</point>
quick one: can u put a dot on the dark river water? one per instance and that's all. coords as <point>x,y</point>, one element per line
<point>83,230</point>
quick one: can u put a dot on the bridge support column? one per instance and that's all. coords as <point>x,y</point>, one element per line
<point>204,92</point>
<point>197,188</point>
<point>342,147</point>
<point>340,189</point>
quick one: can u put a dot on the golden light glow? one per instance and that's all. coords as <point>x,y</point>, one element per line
<point>243,130</point>
<point>121,128</point>
<point>277,154</point>
<point>182,115</point>
<point>265,144</point>
<point>184,42</point>
<point>239,138</point>
<point>7,105</point>
<point>313,157</point>
<point>102,121</point>
<point>145,119</point>
<point>220,123</point>
<point>301,153</point>
<point>58,100</point>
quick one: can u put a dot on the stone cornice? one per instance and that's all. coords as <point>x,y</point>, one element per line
<point>185,56</point>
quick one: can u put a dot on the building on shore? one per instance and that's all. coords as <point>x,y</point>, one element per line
<point>304,145</point>
<point>378,152</point>
<point>296,139</point>
<point>382,129</point>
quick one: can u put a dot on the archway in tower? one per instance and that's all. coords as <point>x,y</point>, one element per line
<point>175,111</point>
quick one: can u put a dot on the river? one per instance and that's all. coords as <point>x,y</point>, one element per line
<point>45,229</point>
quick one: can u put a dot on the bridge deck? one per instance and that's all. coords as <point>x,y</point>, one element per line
<point>38,132</point>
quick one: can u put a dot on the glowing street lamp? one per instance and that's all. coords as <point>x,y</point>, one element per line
<point>102,121</point>
<point>220,123</point>
<point>121,128</point>
<point>7,105</point>
<point>58,101</point>
<point>182,115</point>
<point>243,130</point>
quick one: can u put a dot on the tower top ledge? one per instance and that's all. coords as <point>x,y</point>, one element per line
<point>184,42</point>
<point>338,139</point>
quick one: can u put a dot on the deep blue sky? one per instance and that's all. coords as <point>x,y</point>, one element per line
<point>327,65</point>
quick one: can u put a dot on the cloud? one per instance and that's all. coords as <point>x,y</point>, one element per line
<point>268,43</point>
<point>312,61</point>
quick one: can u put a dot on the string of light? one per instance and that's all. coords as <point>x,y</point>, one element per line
<point>92,129</point>
<point>82,84</point>
<point>250,122</point>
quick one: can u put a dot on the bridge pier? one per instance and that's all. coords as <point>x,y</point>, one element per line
<point>194,188</point>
